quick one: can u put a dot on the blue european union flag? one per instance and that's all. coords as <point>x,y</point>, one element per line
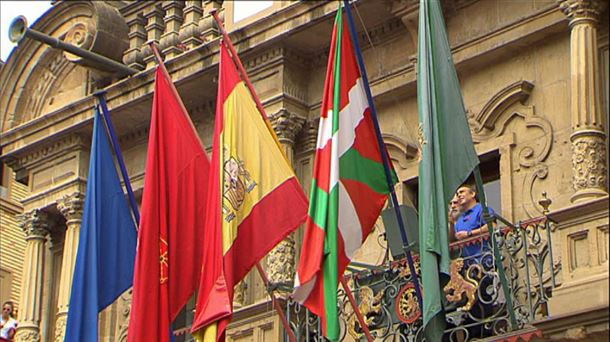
<point>107,247</point>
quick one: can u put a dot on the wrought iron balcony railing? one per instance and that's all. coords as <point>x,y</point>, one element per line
<point>476,306</point>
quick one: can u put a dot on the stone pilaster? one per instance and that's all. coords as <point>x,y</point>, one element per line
<point>36,226</point>
<point>588,136</point>
<point>71,207</point>
<point>281,260</point>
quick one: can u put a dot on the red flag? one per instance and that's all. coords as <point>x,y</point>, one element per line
<point>255,200</point>
<point>168,259</point>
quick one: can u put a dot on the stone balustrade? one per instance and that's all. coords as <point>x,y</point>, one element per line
<point>176,26</point>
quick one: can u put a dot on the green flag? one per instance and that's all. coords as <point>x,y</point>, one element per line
<point>447,157</point>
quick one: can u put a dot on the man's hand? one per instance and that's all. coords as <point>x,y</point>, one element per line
<point>461,235</point>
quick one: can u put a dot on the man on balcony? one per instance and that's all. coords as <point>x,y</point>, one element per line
<point>471,222</point>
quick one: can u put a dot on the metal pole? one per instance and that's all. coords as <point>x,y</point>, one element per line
<point>352,301</point>
<point>384,152</point>
<point>119,156</point>
<point>19,29</point>
<point>161,65</point>
<point>277,306</point>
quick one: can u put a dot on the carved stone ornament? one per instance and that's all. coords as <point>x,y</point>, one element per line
<point>280,261</point>
<point>124,310</point>
<point>528,202</point>
<point>60,328</point>
<point>27,336</point>
<point>582,10</point>
<point>309,136</point>
<point>39,76</point>
<point>35,224</point>
<point>239,299</point>
<point>589,162</point>
<point>493,120</point>
<point>401,151</point>
<point>286,125</point>
<point>71,206</point>
<point>497,114</point>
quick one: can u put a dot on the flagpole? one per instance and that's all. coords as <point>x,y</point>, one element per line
<point>240,66</point>
<point>496,252</point>
<point>352,300</point>
<point>383,150</point>
<point>101,96</point>
<point>261,109</point>
<point>276,305</point>
<point>161,65</point>
<point>246,79</point>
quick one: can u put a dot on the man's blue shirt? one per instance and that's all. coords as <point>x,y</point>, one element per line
<point>469,220</point>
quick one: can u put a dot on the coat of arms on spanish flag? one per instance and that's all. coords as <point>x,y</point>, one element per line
<point>254,200</point>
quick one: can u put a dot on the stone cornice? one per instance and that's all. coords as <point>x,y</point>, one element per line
<point>48,198</point>
<point>134,137</point>
<point>580,212</point>
<point>49,151</point>
<point>133,8</point>
<point>379,34</point>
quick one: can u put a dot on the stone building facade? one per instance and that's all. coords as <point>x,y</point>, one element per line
<point>534,76</point>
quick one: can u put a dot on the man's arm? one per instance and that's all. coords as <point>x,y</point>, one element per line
<point>482,230</point>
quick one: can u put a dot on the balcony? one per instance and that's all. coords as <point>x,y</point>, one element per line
<point>478,306</point>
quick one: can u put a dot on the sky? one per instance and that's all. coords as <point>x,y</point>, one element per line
<point>32,10</point>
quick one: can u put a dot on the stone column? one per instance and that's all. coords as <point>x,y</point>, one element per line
<point>281,260</point>
<point>71,207</point>
<point>36,226</point>
<point>588,135</point>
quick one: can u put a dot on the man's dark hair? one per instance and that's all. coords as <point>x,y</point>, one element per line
<point>472,188</point>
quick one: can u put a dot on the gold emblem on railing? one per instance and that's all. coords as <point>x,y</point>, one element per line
<point>458,286</point>
<point>370,306</point>
<point>407,306</point>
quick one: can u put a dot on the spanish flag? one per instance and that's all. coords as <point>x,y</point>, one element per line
<point>254,200</point>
